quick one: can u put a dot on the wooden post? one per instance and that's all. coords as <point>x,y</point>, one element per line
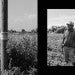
<point>4,30</point>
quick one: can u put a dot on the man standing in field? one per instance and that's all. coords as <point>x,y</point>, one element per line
<point>69,43</point>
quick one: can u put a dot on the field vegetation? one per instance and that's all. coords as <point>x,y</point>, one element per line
<point>22,54</point>
<point>55,55</point>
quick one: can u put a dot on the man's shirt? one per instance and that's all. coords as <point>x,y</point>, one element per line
<point>69,38</point>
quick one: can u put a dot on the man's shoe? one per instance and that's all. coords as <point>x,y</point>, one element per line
<point>73,63</point>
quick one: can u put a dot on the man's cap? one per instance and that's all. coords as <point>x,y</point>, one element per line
<point>70,23</point>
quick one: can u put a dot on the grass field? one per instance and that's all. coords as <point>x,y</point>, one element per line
<point>55,56</point>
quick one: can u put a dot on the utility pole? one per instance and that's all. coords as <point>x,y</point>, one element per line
<point>4,34</point>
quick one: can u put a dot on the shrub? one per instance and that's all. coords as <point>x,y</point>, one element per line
<point>22,52</point>
<point>13,71</point>
<point>61,30</point>
<point>16,71</point>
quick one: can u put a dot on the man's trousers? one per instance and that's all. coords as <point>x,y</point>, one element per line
<point>69,54</point>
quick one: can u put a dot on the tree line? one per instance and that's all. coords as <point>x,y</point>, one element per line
<point>57,29</point>
<point>23,31</point>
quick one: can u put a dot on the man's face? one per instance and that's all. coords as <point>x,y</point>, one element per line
<point>70,27</point>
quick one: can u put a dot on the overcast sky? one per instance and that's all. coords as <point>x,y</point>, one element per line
<point>60,16</point>
<point>0,13</point>
<point>22,14</point>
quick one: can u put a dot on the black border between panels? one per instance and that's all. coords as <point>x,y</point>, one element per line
<point>42,36</point>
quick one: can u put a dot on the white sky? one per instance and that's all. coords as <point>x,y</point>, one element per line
<point>0,13</point>
<point>22,14</point>
<point>60,17</point>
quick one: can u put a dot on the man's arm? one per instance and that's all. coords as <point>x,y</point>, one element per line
<point>62,44</point>
<point>63,39</point>
<point>65,35</point>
